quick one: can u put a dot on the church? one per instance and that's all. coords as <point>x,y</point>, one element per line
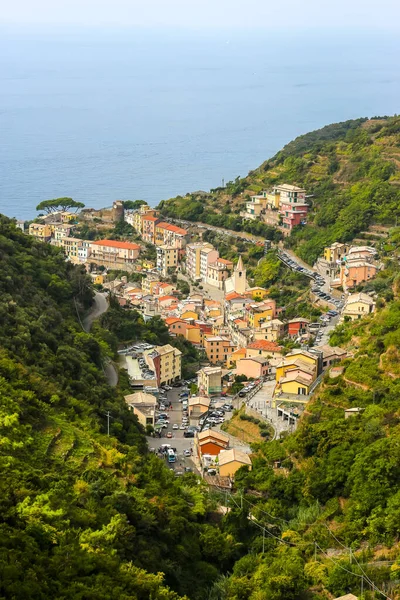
<point>237,282</point>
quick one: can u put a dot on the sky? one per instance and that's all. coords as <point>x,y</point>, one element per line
<point>205,14</point>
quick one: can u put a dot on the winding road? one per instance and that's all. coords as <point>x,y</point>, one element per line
<point>100,305</point>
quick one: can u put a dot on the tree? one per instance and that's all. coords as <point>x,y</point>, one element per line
<point>133,204</point>
<point>51,206</point>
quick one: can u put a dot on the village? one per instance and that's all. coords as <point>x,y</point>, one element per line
<point>240,333</point>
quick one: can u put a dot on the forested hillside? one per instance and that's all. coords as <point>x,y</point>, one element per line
<point>82,515</point>
<point>351,172</point>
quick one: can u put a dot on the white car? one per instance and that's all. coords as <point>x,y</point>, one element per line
<point>183,426</point>
<point>175,426</point>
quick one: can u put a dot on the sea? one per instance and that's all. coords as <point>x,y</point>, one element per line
<point>100,115</point>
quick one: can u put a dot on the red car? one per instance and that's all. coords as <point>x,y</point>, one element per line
<point>169,434</point>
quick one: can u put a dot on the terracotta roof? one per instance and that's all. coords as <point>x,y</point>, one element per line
<point>116,244</point>
<point>173,228</point>
<point>232,296</point>
<point>224,261</point>
<point>171,320</point>
<point>265,345</point>
<point>149,218</point>
<point>163,298</point>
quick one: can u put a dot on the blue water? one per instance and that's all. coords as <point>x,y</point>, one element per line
<point>103,116</point>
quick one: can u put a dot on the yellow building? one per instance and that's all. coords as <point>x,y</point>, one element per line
<point>296,383</point>
<point>143,406</point>
<point>258,314</point>
<point>97,278</point>
<point>148,285</point>
<point>257,293</point>
<point>148,264</point>
<point>71,247</point>
<point>335,252</point>
<point>40,231</point>
<point>189,314</point>
<point>235,356</point>
<point>167,364</point>
<point>297,359</point>
<point>358,306</point>
<point>193,334</point>
<point>231,460</point>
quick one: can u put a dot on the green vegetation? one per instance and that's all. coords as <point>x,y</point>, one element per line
<point>133,204</point>
<point>83,515</point>
<point>64,204</point>
<point>351,172</point>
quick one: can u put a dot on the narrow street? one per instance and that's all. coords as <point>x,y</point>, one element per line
<point>178,440</point>
<point>99,306</point>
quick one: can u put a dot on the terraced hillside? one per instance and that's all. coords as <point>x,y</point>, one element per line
<point>351,172</point>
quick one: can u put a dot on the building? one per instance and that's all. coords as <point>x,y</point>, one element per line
<point>271,331</point>
<point>61,230</point>
<point>259,313</point>
<point>292,206</point>
<point>352,412</point>
<point>143,406</point>
<point>194,254</point>
<point>297,327</point>
<point>114,254</point>
<point>72,247</point>
<point>253,367</point>
<point>232,460</point>
<point>265,349</point>
<point>167,258</point>
<point>166,363</point>
<point>40,231</point>
<point>336,252</point>
<point>84,251</point>
<point>331,355</point>
<point>238,282</point>
<point>170,235</point>
<point>198,406</point>
<point>358,306</point>
<point>296,374</point>
<point>354,271</point>
<point>218,272</point>
<point>149,228</point>
<point>209,381</point>
<point>348,597</point>
<point>218,348</point>
<point>211,442</point>
<point>207,256</point>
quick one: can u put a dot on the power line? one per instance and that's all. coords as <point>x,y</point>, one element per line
<point>265,531</point>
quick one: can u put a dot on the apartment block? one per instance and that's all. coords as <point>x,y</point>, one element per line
<point>167,257</point>
<point>209,381</point>
<point>114,254</point>
<point>40,231</point>
<point>218,348</point>
<point>166,362</point>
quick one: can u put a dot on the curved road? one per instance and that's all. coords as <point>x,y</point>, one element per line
<point>100,305</point>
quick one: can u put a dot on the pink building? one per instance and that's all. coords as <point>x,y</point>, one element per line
<point>256,367</point>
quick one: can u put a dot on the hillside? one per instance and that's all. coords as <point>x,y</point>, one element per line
<point>83,515</point>
<point>351,172</point>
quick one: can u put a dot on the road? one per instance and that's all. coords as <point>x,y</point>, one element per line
<point>99,306</point>
<point>178,440</point>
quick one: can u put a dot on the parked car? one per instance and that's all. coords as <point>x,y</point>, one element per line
<point>169,434</point>
<point>188,434</point>
<point>175,426</point>
<point>187,452</point>
<point>182,426</point>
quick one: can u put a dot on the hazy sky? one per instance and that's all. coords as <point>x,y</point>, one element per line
<point>202,14</point>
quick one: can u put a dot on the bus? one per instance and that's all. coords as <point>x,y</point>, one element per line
<point>171,455</point>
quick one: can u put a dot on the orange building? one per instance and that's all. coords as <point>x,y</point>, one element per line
<point>149,228</point>
<point>211,442</point>
<point>218,348</point>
